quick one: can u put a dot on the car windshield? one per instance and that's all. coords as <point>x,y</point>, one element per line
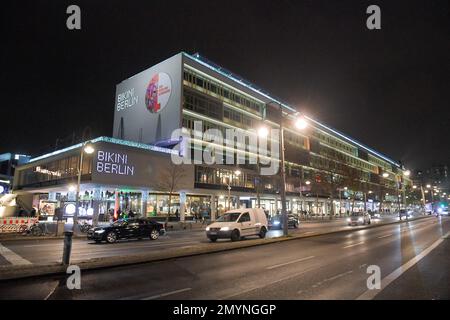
<point>229,217</point>
<point>356,214</point>
<point>119,223</point>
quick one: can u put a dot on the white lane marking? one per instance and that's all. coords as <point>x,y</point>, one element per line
<point>370,294</point>
<point>166,294</point>
<point>12,257</point>
<point>52,291</point>
<point>290,262</point>
<point>385,236</point>
<point>266,285</point>
<point>332,278</point>
<point>354,244</point>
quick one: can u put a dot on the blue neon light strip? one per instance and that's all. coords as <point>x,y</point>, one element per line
<point>110,140</point>
<point>228,74</point>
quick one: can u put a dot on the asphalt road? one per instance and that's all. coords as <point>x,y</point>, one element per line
<point>413,258</point>
<point>50,250</point>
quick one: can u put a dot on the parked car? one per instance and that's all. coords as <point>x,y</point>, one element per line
<point>236,224</point>
<point>357,218</point>
<point>404,214</point>
<point>375,214</point>
<point>276,222</point>
<point>442,210</point>
<point>126,229</point>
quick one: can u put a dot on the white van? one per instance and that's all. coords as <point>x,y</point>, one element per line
<point>239,223</point>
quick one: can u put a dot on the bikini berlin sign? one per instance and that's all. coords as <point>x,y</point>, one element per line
<point>114,163</point>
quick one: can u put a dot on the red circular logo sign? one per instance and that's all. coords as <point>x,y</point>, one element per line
<point>158,92</point>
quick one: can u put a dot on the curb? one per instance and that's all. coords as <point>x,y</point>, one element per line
<point>36,270</point>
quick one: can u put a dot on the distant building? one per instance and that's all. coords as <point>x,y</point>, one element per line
<point>8,163</point>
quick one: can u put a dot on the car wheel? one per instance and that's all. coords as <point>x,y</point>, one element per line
<point>235,236</point>
<point>369,222</point>
<point>262,233</point>
<point>154,234</point>
<point>111,237</point>
<point>213,239</point>
<point>295,225</point>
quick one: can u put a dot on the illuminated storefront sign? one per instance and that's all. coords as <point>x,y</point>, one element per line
<point>114,163</point>
<point>45,171</point>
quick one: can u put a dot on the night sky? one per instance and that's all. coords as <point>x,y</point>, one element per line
<point>388,88</point>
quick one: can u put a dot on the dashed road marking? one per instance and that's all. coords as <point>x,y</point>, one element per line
<point>340,275</point>
<point>354,244</point>
<point>166,294</point>
<point>385,236</point>
<point>289,262</point>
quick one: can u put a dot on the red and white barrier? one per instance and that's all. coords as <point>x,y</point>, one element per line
<point>16,224</point>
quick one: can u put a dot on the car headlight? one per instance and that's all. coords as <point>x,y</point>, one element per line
<point>349,220</point>
<point>440,210</point>
<point>224,228</point>
<point>360,219</point>
<point>207,229</point>
<point>99,231</point>
<point>276,222</point>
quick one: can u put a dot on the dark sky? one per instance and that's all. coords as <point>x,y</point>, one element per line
<point>388,88</point>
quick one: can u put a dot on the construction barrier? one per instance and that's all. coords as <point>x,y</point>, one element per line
<point>16,224</point>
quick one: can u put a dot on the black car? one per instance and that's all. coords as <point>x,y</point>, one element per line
<point>126,229</point>
<point>276,222</point>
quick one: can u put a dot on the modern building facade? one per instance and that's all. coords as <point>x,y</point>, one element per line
<point>327,172</point>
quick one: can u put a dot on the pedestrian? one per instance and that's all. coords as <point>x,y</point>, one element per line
<point>177,214</point>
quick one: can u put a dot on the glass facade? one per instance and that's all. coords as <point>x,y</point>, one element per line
<point>54,170</point>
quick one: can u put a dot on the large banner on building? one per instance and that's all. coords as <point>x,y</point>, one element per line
<point>148,105</point>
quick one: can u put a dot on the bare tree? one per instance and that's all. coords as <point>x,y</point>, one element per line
<point>169,181</point>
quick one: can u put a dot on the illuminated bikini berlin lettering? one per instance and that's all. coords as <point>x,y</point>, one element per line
<point>114,163</point>
<point>126,99</point>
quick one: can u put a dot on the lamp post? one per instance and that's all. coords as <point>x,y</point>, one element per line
<point>237,173</point>
<point>301,124</point>
<point>67,248</point>
<point>85,148</point>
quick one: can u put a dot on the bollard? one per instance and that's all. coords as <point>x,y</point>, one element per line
<point>67,247</point>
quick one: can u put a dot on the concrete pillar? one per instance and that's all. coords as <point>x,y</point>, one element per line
<point>182,206</point>
<point>213,208</point>
<point>144,199</point>
<point>96,206</point>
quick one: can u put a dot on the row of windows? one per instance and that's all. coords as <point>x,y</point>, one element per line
<point>380,162</point>
<point>295,139</point>
<point>239,118</point>
<point>334,142</point>
<point>202,105</point>
<point>54,170</point>
<point>227,94</point>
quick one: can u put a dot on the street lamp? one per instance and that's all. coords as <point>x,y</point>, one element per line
<point>88,149</point>
<point>300,123</point>
<point>67,249</point>
<point>237,173</point>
